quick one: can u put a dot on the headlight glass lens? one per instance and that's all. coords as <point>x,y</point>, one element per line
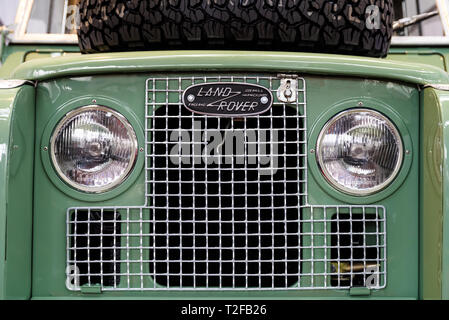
<point>359,151</point>
<point>93,148</point>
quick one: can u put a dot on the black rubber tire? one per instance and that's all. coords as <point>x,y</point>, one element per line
<point>333,26</point>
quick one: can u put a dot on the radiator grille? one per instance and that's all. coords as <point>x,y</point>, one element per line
<point>240,221</point>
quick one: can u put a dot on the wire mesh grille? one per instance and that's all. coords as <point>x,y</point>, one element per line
<point>237,218</point>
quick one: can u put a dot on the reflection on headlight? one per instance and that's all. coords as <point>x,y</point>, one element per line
<point>93,148</point>
<point>359,151</point>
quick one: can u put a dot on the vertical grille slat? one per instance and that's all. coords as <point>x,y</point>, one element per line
<point>231,224</point>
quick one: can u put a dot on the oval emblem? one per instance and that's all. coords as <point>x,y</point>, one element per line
<point>229,99</point>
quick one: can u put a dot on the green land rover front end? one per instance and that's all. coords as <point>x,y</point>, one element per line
<point>116,184</point>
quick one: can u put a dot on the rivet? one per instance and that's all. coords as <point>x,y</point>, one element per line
<point>141,149</point>
<point>45,148</point>
<point>312,150</point>
<point>407,151</point>
<point>264,99</point>
<point>94,100</point>
<point>360,104</point>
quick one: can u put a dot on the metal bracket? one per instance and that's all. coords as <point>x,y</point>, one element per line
<point>95,289</point>
<point>287,91</point>
<point>359,291</point>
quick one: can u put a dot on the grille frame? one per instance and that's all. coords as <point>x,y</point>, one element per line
<point>138,278</point>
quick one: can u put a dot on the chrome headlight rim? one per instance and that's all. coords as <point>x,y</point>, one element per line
<point>349,191</point>
<point>101,189</point>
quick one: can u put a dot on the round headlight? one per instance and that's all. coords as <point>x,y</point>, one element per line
<point>93,148</point>
<point>359,151</point>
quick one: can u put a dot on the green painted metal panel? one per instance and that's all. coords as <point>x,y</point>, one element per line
<point>435,56</point>
<point>6,106</point>
<point>52,99</point>
<point>16,175</point>
<point>443,245</point>
<point>14,55</point>
<point>431,58</point>
<point>20,196</point>
<point>178,61</point>
<point>431,190</point>
<point>323,94</point>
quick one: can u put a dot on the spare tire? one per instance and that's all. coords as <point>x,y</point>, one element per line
<point>359,27</point>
